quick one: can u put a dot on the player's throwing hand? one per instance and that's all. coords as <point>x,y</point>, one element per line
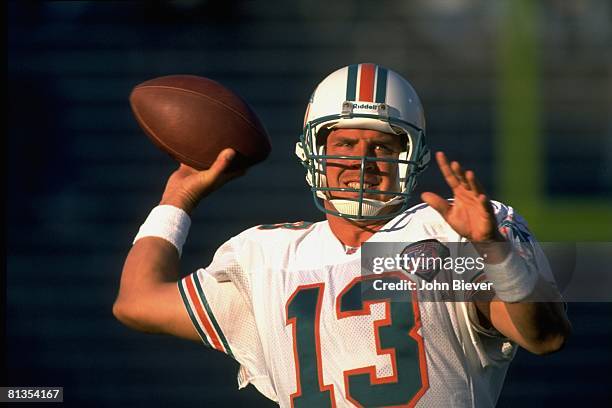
<point>470,213</point>
<point>187,186</point>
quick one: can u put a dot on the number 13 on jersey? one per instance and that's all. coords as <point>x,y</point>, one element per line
<point>396,336</point>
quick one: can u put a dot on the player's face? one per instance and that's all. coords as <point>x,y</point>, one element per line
<point>362,142</point>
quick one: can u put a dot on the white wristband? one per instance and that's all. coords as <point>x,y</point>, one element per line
<point>512,279</point>
<point>166,222</point>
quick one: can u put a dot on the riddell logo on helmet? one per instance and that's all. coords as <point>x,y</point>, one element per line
<point>364,106</point>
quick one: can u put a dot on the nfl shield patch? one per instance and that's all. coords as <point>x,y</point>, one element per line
<point>424,258</point>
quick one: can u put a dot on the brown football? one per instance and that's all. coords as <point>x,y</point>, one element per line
<point>193,118</point>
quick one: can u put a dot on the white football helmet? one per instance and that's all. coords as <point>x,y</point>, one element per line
<point>364,96</point>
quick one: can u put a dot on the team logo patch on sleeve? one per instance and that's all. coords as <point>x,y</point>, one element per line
<point>518,231</point>
<point>520,236</point>
<point>418,258</point>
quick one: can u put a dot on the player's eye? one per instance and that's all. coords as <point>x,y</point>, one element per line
<point>343,143</point>
<point>383,148</point>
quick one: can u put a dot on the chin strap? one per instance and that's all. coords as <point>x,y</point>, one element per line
<point>369,207</point>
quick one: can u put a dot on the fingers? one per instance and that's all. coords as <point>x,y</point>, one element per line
<point>473,182</point>
<point>456,176</point>
<point>436,202</point>
<point>447,172</point>
<point>486,203</point>
<point>459,174</point>
<point>216,171</point>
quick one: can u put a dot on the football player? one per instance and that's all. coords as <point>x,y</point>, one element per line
<point>288,301</point>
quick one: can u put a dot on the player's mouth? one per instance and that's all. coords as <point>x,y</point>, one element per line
<point>367,185</point>
<point>357,186</point>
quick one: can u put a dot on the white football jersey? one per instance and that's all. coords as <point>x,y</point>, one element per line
<point>285,301</point>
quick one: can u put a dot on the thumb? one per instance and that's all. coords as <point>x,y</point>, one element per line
<point>436,202</point>
<point>222,162</point>
<point>212,177</point>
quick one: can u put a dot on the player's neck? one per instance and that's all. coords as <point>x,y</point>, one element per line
<point>353,233</point>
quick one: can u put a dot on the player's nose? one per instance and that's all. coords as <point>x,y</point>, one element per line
<point>368,149</point>
<point>362,149</point>
<point>365,148</point>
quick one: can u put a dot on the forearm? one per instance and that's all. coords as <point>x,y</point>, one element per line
<point>151,266</point>
<point>539,327</point>
<point>527,308</point>
<point>151,261</point>
<point>154,257</point>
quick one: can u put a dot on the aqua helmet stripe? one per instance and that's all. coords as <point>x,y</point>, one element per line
<point>351,82</point>
<point>381,85</point>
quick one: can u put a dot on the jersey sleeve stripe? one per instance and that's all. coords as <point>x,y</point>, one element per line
<point>217,328</point>
<point>192,315</point>
<point>205,322</point>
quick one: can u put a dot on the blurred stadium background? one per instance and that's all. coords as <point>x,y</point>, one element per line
<point>520,91</point>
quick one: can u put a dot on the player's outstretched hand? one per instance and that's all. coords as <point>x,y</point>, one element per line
<point>187,186</point>
<point>470,213</point>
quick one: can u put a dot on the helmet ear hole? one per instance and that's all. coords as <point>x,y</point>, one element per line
<point>322,136</point>
<point>404,140</point>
